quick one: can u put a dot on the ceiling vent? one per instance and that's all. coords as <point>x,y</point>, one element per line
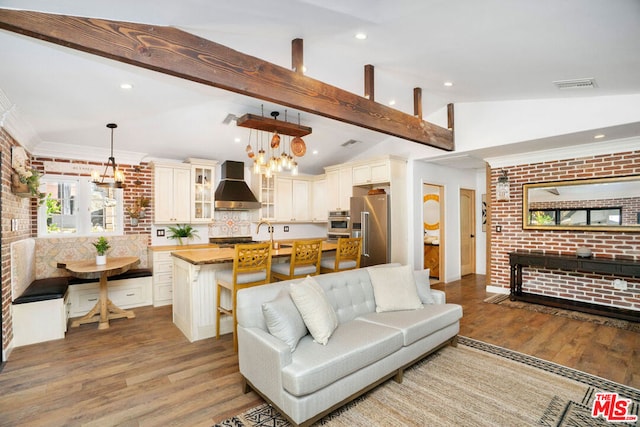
<point>350,142</point>
<point>588,83</point>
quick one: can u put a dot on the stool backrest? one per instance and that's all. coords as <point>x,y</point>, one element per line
<point>306,252</point>
<point>349,249</point>
<point>251,258</point>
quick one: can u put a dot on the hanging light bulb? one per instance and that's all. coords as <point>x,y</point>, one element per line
<point>256,167</point>
<point>294,170</point>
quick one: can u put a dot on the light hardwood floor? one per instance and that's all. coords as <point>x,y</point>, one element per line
<point>144,372</point>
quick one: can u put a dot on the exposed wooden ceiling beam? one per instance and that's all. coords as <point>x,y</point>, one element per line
<point>172,51</point>
<point>369,83</point>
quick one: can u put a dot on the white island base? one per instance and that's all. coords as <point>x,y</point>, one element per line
<point>194,299</point>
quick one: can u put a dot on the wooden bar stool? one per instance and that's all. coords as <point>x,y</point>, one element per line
<point>347,256</point>
<point>305,261</point>
<point>251,267</point>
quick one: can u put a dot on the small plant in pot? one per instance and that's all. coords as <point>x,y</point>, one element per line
<point>102,246</point>
<point>180,232</point>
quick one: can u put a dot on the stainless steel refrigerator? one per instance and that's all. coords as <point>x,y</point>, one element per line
<point>370,220</point>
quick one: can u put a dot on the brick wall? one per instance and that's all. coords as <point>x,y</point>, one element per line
<point>13,207</point>
<point>570,285</point>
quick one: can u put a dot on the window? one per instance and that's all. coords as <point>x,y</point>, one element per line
<point>576,217</point>
<point>77,206</point>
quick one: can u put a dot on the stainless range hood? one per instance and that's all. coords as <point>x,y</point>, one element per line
<point>232,192</point>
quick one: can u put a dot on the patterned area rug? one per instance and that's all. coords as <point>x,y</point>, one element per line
<point>475,384</point>
<point>504,300</point>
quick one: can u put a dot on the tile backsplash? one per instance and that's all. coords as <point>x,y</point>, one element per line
<point>230,223</point>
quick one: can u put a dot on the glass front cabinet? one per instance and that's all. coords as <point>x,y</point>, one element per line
<point>202,192</point>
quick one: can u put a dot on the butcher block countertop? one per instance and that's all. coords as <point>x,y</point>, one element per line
<point>213,255</point>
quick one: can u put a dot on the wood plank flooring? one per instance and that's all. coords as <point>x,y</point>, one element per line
<point>144,372</point>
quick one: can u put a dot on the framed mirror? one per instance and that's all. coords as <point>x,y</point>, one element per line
<point>607,204</point>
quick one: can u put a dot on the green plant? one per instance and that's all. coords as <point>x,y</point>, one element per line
<point>101,245</point>
<point>32,179</point>
<point>180,232</point>
<point>53,207</point>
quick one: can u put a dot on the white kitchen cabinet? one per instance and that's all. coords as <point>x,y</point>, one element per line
<point>202,192</point>
<point>162,277</point>
<point>371,173</point>
<point>292,200</point>
<point>319,200</point>
<point>339,187</point>
<point>263,188</point>
<point>171,193</point>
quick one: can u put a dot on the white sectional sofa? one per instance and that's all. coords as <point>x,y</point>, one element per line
<point>307,380</point>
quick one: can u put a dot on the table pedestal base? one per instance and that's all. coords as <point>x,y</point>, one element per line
<point>95,315</point>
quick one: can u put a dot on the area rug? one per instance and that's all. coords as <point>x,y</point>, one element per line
<point>503,299</point>
<point>474,384</point>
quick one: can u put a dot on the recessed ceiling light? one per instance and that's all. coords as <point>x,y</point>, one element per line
<point>361,36</point>
<point>599,136</point>
<point>126,86</point>
<point>448,84</point>
<point>237,139</point>
<point>314,152</point>
<point>392,102</point>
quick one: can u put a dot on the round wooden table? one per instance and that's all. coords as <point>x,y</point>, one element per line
<point>104,310</point>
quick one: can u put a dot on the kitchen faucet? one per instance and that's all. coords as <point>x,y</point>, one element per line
<point>270,228</point>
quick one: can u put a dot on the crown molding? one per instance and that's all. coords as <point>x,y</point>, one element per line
<point>15,125</point>
<point>569,152</point>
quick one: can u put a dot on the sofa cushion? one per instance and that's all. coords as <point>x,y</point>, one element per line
<point>417,324</point>
<point>284,320</point>
<point>394,288</point>
<point>423,286</point>
<point>316,311</point>
<point>353,346</point>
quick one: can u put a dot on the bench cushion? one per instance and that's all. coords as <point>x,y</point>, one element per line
<point>44,289</point>
<point>129,274</point>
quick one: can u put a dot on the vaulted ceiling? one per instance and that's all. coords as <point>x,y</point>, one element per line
<point>491,50</point>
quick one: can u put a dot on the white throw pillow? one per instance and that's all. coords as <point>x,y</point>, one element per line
<point>423,285</point>
<point>316,311</point>
<point>284,320</point>
<point>394,288</point>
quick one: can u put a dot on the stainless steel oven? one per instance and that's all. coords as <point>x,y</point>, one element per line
<point>339,223</point>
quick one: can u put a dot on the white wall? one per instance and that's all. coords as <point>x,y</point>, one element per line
<point>452,180</point>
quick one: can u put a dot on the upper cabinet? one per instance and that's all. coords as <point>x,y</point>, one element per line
<point>376,172</point>
<point>339,187</point>
<point>202,191</point>
<point>171,196</point>
<point>292,199</point>
<point>319,199</point>
<point>263,188</point>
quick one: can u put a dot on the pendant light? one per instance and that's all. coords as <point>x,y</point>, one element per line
<point>118,175</point>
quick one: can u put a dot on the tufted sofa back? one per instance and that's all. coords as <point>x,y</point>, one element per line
<point>349,292</point>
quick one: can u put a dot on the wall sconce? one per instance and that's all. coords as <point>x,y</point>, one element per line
<point>502,189</point>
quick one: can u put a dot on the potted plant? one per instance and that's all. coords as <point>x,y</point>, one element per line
<point>102,246</point>
<point>180,232</point>
<point>26,183</point>
<point>137,211</point>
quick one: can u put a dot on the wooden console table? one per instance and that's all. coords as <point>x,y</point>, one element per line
<point>617,267</point>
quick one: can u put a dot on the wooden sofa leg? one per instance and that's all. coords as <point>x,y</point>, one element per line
<point>399,376</point>
<point>454,341</point>
<point>246,388</point>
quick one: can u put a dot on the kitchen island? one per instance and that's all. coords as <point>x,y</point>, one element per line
<point>194,287</point>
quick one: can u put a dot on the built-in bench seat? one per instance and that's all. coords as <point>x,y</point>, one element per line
<point>41,306</point>
<point>44,290</point>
